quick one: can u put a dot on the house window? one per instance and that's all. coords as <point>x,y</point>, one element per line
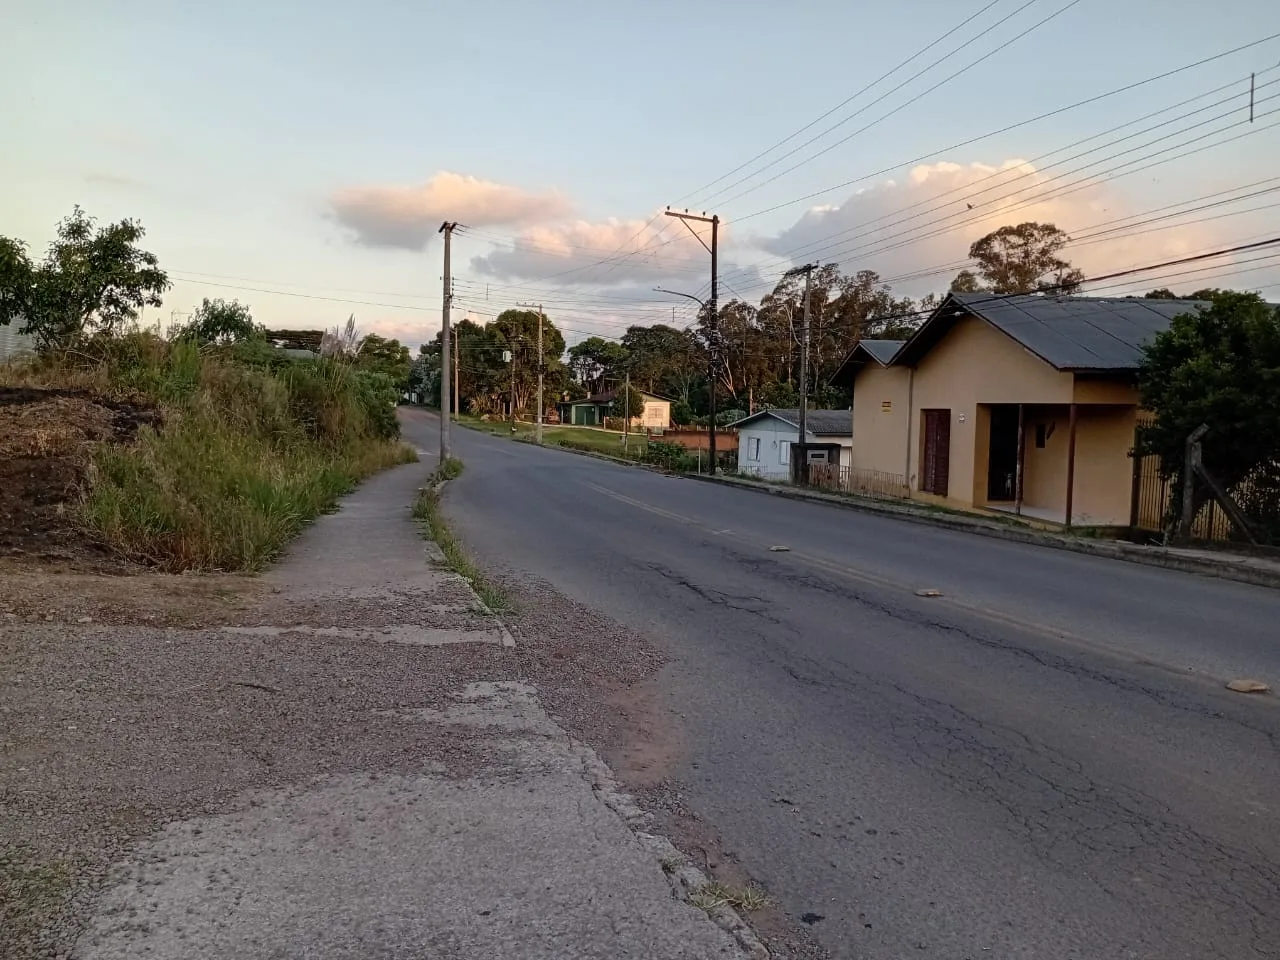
<point>753,448</point>
<point>784,452</point>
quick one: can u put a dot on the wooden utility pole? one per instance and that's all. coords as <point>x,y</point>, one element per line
<point>713,319</point>
<point>626,411</point>
<point>807,270</point>
<point>447,229</point>
<point>541,368</point>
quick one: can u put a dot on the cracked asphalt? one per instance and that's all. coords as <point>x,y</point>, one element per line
<point>1042,762</point>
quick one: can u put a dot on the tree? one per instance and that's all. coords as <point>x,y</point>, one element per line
<point>967,281</point>
<point>1217,365</point>
<point>1163,293</point>
<point>217,321</point>
<point>1024,259</point>
<point>92,279</point>
<point>627,403</point>
<point>594,360</point>
<point>385,356</point>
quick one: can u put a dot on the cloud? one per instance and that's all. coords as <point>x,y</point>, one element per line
<point>609,253</point>
<point>926,222</point>
<point>407,217</point>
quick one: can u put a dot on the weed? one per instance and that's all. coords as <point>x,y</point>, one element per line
<point>711,895</point>
<point>426,510</point>
<point>30,893</point>
<point>672,862</point>
<point>451,469</point>
<point>253,447</point>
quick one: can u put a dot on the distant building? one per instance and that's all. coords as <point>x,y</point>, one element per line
<point>15,344</point>
<point>765,440</point>
<point>592,411</point>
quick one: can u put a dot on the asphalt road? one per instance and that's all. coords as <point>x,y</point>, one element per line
<point>1041,763</point>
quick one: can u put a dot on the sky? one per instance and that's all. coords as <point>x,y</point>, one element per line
<point>300,157</point>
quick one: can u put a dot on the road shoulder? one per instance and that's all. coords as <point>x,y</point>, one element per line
<point>341,756</point>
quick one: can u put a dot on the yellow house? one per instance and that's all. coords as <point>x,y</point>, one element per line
<point>1024,404</point>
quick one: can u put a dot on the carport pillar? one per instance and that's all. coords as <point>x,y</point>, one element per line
<point>1071,462</point>
<point>1017,467</point>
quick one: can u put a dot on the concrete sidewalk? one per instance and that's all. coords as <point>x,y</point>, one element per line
<point>519,845</point>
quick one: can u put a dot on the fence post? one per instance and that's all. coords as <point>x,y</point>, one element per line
<point>1190,467</point>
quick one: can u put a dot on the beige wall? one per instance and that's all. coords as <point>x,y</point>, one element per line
<point>974,366</point>
<point>657,413</point>
<point>976,363</point>
<point>879,435</point>
<point>1104,469</point>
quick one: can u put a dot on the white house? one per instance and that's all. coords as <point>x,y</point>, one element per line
<point>765,439</point>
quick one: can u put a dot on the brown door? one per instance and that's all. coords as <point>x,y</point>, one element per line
<point>936,470</point>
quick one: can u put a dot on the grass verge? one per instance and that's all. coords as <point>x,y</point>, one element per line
<point>426,510</point>
<point>251,445</point>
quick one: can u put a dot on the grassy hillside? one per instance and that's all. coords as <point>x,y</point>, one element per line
<point>245,446</point>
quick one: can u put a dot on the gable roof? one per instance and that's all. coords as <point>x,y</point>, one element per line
<point>1068,333</point>
<point>821,423</point>
<point>608,396</point>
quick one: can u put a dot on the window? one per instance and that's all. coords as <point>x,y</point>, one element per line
<point>784,452</point>
<point>753,448</point>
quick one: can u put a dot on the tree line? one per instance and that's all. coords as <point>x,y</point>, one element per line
<point>757,344</point>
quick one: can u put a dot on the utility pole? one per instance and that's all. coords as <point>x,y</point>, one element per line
<point>626,411</point>
<point>447,229</point>
<point>713,319</point>
<point>513,387</point>
<point>541,368</point>
<point>807,270</point>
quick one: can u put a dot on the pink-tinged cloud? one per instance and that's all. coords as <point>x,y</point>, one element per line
<point>407,217</point>
<point>929,219</point>
<point>606,253</point>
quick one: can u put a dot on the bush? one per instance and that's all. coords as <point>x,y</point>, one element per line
<point>672,456</point>
<point>253,446</point>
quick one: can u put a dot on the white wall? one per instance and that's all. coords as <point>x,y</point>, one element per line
<point>770,440</point>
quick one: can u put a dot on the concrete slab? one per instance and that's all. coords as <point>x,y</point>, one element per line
<point>531,864</point>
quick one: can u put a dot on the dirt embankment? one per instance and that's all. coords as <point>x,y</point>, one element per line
<point>47,438</point>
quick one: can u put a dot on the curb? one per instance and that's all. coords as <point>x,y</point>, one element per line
<point>684,878</point>
<point>1111,549</point>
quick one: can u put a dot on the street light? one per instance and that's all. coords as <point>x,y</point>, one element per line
<point>711,384</point>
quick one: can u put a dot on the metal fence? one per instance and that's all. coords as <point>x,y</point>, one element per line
<point>867,483</point>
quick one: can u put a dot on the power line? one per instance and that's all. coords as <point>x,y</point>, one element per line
<point>915,99</point>
<point>1013,126</point>
<point>843,103</point>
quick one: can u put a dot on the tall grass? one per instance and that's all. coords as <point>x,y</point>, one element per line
<point>252,445</point>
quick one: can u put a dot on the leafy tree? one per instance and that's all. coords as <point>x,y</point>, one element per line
<point>385,356</point>
<point>92,279</point>
<point>1217,365</point>
<point>1023,259</point>
<point>1163,293</point>
<point>627,403</point>
<point>967,281</point>
<point>595,360</point>
<point>217,321</point>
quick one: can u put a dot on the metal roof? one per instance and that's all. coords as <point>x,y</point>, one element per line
<point>1068,333</point>
<point>882,351</point>
<point>821,423</point>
